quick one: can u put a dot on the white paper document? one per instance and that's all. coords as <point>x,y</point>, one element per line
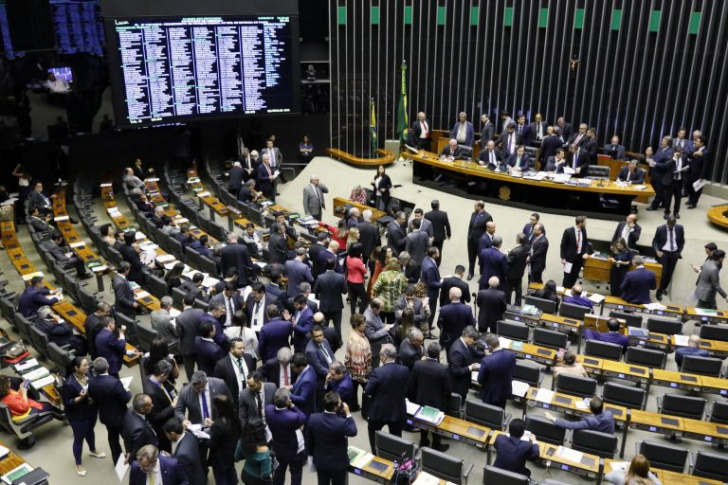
<point>43,381</point>
<point>78,244</point>
<point>126,381</point>
<point>121,468</point>
<point>544,395</point>
<point>654,306</point>
<point>165,258</point>
<point>505,342</point>
<point>203,194</point>
<point>596,298</point>
<point>681,340</point>
<point>619,465</point>
<point>569,454</point>
<point>474,375</point>
<point>520,388</point>
<point>61,218</point>
<point>412,408</point>
<point>569,170</point>
<point>567,267</point>
<point>698,184</point>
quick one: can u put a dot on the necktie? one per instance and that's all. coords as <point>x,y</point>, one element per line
<point>576,160</point>
<point>286,378</point>
<point>578,240</point>
<point>272,157</point>
<point>672,239</point>
<point>255,313</point>
<point>205,410</point>
<point>152,478</point>
<point>242,371</point>
<point>259,402</point>
<point>539,133</point>
<point>492,158</point>
<point>229,308</point>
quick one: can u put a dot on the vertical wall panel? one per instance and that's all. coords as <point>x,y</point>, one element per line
<point>645,67</point>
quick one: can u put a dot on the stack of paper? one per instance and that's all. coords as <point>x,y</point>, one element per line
<point>474,375</point>
<point>139,236</point>
<point>36,374</point>
<point>424,478</point>
<point>78,244</point>
<point>114,212</point>
<point>520,388</point>
<point>203,194</point>
<point>30,276</point>
<point>105,185</point>
<point>362,460</point>
<point>619,465</point>
<point>412,408</point>
<point>596,298</point>
<point>505,342</point>
<point>61,218</point>
<point>165,258</point>
<point>654,306</point>
<point>142,294</point>
<point>569,454</point>
<point>43,381</point>
<point>209,282</point>
<point>27,365</point>
<point>681,340</point>
<point>545,395</point>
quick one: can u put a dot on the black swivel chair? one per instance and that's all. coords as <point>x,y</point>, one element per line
<point>664,325</point>
<point>626,396</point>
<point>631,319</point>
<point>646,357</point>
<point>545,430</point>
<point>719,412</point>
<point>528,373</point>
<point>550,338</point>
<point>714,332</point>
<point>392,447</point>
<point>576,385</point>
<point>663,456</point>
<point>704,366</point>
<point>445,466</point>
<point>684,406</point>
<point>546,306</point>
<point>493,475</point>
<point>710,465</point>
<point>570,310</point>
<point>486,415</point>
<point>513,331</point>
<point>594,442</point>
<point>603,350</point>
<point>454,405</point>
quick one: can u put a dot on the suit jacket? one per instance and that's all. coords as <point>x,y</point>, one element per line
<point>492,305</point>
<point>137,432</point>
<point>262,179</point>
<point>637,177</point>
<point>454,282</point>
<point>512,454</point>
<point>278,248</point>
<point>208,353</point>
<point>187,323</point>
<point>317,360</point>
<point>32,299</point>
<point>661,238</point>
<point>634,234</point>
<point>328,290</point>
<point>162,322</point>
<point>301,329</point>
<point>531,133</point>
<point>431,278</point>
<point>440,224</point>
<point>326,440</point>
<point>415,130</point>
<point>344,388</point>
<point>619,151</point>
<point>303,392</point>
<point>248,403</point>
<point>503,142</point>
<point>476,227</point>
<point>38,201</point>
<point>454,317</point>
<point>224,370</point>
<point>236,255</point>
<point>250,308</point>
<point>493,263</point>
<point>111,398</point>
<point>162,409</point>
<point>469,133</point>
<point>581,159</point>
<point>417,244</point>
<point>313,199</point>
<point>539,249</point>
<point>387,390</point>
<point>409,354</point>
<point>123,296</point>
<point>58,333</point>
<point>487,132</point>
<point>551,165</point>
<point>700,166</point>
<point>418,308</point>
<point>187,452</point>
<point>495,375</point>
<point>484,157</point>
<point>516,262</point>
<point>568,244</point>
<point>272,371</point>
<point>283,424</point>
<point>589,146</point>
<point>460,357</point>
<point>110,347</point>
<point>549,145</point>
<point>369,237</point>
<point>458,153</point>
<point>429,384</point>
<point>235,179</point>
<point>189,401</point>
<point>637,284</point>
<point>92,328</point>
<point>525,161</point>
<point>297,273</point>
<point>709,282</point>
<point>274,335</point>
<point>276,156</point>
<point>396,236</point>
<point>662,159</point>
<point>136,273</point>
<point>566,130</point>
<point>172,473</point>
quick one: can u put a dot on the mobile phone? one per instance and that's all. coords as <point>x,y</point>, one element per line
<point>26,383</point>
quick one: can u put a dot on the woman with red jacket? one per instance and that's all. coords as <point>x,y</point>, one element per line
<point>356,272</point>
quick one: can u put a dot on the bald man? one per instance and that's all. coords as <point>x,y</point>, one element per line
<point>629,230</point>
<point>421,132</point>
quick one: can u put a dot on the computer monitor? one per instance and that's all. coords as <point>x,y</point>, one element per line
<point>62,72</point>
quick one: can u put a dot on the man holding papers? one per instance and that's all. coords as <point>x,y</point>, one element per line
<point>513,451</point>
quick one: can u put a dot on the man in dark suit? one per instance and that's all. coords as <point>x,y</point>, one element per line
<point>462,132</point>
<point>111,346</point>
<point>574,250</point>
<point>339,381</point>
<point>637,283</point>
<point>164,398</point>
<point>556,162</point>
<point>631,173</point>
<point>537,254</point>
<point>275,334</point>
<point>229,300</point>
<point>322,241</point>
<point>207,351</point>
<point>509,140</point>
<point>564,127</point>
<point>411,349</point>
<point>519,161</point>
<point>476,228</point>
<point>278,244</point>
<point>236,255</point>
<point>589,146</point>
<point>453,151</point>
<point>668,245</point>
<point>187,451</point>
<point>255,306</point>
<point>440,226</point>
<point>429,385</point>
<point>303,392</point>
<point>297,272</point>
<point>137,431</point>
<point>614,149</point>
<point>329,290</point>
<point>59,331</point>
<point>490,156</point>
<point>612,336</point>
<point>145,465</point>
<point>264,178</point>
<point>431,279</point>
<point>92,325</point>
<point>660,167</point>
<point>111,398</point>
<point>326,440</point>
<point>66,260</point>
<point>235,178</point>
<point>369,235</point>
<point>278,370</point>
<point>579,137</point>
<point>421,132</point>
<point>535,132</point>
<point>320,357</point>
<point>454,317</point>
<point>673,182</point>
<point>551,142</point>
<point>124,301</point>
<point>255,397</point>
<point>187,330</point>
<point>302,319</point>
<point>463,360</point>
<point>487,130</point>
<point>387,394</point>
<point>699,170</point>
<point>496,373</point>
<point>417,242</point>
<point>629,230</point>
<point>580,160</point>
<point>512,451</point>
<point>285,420</point>
<point>38,201</point>
<point>396,233</point>
<point>457,280</point>
<point>194,404</point>
<point>516,260</point>
<point>130,252</point>
<point>493,263</point>
<point>492,304</point>
<point>34,297</point>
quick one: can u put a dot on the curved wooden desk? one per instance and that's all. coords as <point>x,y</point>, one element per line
<point>715,215</point>
<point>386,158</point>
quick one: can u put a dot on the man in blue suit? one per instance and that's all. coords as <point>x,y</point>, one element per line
<point>512,451</point>
<point>486,240</point>
<point>430,276</point>
<point>207,351</point>
<point>303,392</point>
<point>496,373</point>
<point>320,356</point>
<point>493,263</point>
<point>187,451</point>
<point>111,398</point>
<point>637,283</point>
<point>35,296</point>
<point>463,131</point>
<point>297,272</point>
<point>302,323</point>
<point>668,245</point>
<point>577,299</point>
<point>264,178</point>
<point>600,420</point>
<point>454,317</point>
<point>340,382</point>
<point>659,163</point>
<point>326,440</point>
<point>148,460</point>
<point>612,336</point>
<point>215,316</point>
<point>284,420</point>
<point>387,390</point>
<point>274,334</point>
<point>110,346</point>
<point>519,161</point>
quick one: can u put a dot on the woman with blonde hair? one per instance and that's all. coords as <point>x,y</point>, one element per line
<point>352,238</point>
<point>638,473</point>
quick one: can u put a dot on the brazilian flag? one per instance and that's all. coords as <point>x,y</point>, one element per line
<point>402,119</point>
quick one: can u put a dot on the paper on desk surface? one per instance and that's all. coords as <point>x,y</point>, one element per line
<point>568,170</point>
<point>363,460</point>
<point>61,218</point>
<point>619,465</point>
<point>142,294</point>
<point>505,342</point>
<point>654,306</point>
<point>581,404</point>
<point>424,478</point>
<point>569,454</point>
<point>474,375</point>
<point>544,395</point>
<point>597,298</point>
<point>412,408</point>
<point>681,340</point>
<point>43,381</point>
<point>520,388</point>
<point>77,244</point>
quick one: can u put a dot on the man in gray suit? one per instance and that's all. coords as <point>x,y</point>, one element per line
<point>417,242</point>
<point>709,281</point>
<point>376,331</point>
<point>614,149</point>
<point>162,320</point>
<point>255,397</point>
<point>297,272</point>
<point>194,403</point>
<point>132,181</point>
<point>409,300</point>
<point>187,331</point>
<point>66,260</point>
<point>313,197</point>
<point>425,225</point>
